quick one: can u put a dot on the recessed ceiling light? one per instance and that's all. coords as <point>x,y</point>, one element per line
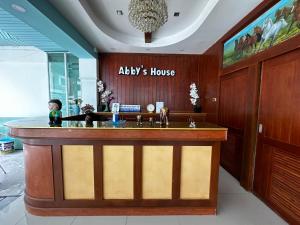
<point>18,8</point>
<point>119,12</point>
<point>176,13</point>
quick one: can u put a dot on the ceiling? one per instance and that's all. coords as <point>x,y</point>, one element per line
<point>37,23</point>
<point>200,24</point>
<point>14,32</point>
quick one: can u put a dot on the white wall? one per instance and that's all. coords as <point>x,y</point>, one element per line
<point>23,82</point>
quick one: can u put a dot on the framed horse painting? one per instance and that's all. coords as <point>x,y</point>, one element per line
<point>276,25</point>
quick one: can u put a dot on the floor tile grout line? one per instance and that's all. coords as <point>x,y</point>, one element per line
<point>179,223</point>
<point>73,220</point>
<point>24,216</point>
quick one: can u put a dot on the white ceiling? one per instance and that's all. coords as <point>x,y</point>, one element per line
<point>200,24</point>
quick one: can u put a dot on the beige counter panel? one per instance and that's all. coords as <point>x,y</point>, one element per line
<point>78,171</point>
<point>157,172</point>
<point>118,172</point>
<point>195,172</point>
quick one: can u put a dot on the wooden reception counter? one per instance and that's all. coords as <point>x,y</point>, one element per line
<point>121,169</point>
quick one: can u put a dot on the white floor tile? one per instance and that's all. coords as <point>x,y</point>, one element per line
<point>235,207</point>
<point>152,220</point>
<point>23,221</point>
<point>49,220</point>
<point>100,220</point>
<point>228,184</point>
<point>246,209</point>
<point>202,220</point>
<point>13,213</point>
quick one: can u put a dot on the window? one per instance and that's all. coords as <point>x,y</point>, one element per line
<point>64,82</point>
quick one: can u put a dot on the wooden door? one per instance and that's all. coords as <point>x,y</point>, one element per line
<point>232,114</point>
<point>239,92</point>
<point>277,170</point>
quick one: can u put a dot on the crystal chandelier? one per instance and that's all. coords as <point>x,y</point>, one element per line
<point>148,15</point>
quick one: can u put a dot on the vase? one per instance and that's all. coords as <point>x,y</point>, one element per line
<point>106,107</point>
<point>197,109</point>
<point>103,107</point>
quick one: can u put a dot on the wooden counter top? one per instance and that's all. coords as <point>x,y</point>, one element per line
<point>125,130</point>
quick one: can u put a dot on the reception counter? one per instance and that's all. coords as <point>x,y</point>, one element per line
<point>120,169</point>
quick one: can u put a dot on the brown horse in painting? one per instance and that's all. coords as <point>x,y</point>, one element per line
<point>248,42</point>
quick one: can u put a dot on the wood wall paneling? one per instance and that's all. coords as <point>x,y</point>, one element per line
<point>210,86</point>
<point>231,153</point>
<point>279,112</point>
<point>285,183</point>
<point>173,91</point>
<point>277,177</point>
<point>279,103</point>
<point>277,170</point>
<point>233,96</point>
<point>232,114</point>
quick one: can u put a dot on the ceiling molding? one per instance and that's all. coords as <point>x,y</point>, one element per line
<point>200,24</point>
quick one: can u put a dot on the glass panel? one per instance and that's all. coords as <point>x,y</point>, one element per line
<point>65,87</point>
<point>57,79</point>
<point>74,87</point>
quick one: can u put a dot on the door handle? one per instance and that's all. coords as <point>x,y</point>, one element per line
<point>260,128</point>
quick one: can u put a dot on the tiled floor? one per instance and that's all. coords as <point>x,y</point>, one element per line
<point>11,183</point>
<point>236,207</point>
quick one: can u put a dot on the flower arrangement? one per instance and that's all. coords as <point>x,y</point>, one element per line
<point>195,97</point>
<point>87,109</point>
<point>105,95</point>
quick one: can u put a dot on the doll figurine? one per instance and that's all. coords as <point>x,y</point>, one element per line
<point>54,106</point>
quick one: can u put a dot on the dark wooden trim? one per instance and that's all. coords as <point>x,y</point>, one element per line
<point>176,171</point>
<point>71,141</point>
<point>250,129</point>
<point>120,134</point>
<point>58,173</point>
<point>233,129</point>
<point>148,37</point>
<point>293,149</point>
<point>45,203</point>
<point>121,211</point>
<point>215,162</point>
<point>138,160</point>
<point>98,171</point>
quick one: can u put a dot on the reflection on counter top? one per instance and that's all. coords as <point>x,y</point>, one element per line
<point>42,122</point>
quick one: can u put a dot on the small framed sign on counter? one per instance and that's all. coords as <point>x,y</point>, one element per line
<point>158,106</point>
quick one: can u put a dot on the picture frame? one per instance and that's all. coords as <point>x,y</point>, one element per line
<point>278,24</point>
<point>115,108</point>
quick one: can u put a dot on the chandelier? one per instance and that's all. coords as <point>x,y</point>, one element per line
<point>148,15</point>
